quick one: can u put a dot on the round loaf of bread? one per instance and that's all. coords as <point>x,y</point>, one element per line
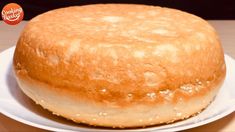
<point>119,65</point>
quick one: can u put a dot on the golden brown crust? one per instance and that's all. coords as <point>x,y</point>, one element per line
<point>77,53</point>
<point>121,54</point>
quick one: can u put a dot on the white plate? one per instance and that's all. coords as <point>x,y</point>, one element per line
<point>14,104</point>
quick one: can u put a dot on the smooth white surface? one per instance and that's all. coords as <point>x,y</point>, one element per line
<point>14,104</point>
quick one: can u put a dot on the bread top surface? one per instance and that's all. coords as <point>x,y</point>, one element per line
<point>120,53</point>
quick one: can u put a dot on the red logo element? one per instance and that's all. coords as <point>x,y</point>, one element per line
<point>12,14</point>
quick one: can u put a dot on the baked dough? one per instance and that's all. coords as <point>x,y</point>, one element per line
<point>119,65</point>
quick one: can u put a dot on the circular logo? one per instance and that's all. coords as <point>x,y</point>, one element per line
<point>12,14</point>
